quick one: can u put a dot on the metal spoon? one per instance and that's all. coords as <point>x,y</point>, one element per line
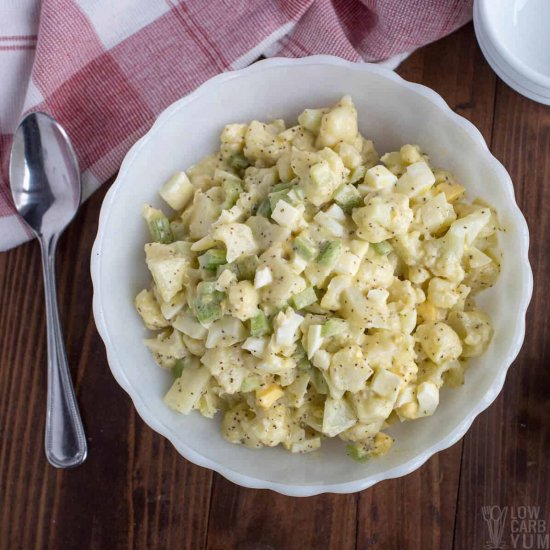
<point>45,185</point>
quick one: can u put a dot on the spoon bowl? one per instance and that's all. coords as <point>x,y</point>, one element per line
<point>44,175</point>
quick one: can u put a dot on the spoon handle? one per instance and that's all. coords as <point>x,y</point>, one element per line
<point>65,441</point>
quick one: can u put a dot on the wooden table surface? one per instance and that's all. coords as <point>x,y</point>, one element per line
<point>135,491</point>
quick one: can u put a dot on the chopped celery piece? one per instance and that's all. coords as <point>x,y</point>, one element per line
<point>250,383</point>
<point>212,259</point>
<point>259,325</point>
<point>207,303</point>
<point>304,248</point>
<point>264,209</point>
<point>207,311</point>
<point>276,196</point>
<point>357,453</point>
<point>159,226</point>
<point>281,187</point>
<point>333,327</point>
<point>246,268</point>
<point>329,253</point>
<point>304,298</point>
<point>357,175</point>
<point>347,197</point>
<point>205,288</point>
<point>177,369</point>
<point>319,382</point>
<point>383,248</point>
<point>238,162</point>
<point>232,188</point>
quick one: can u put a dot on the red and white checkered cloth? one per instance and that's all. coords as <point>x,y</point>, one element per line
<point>106,68</point>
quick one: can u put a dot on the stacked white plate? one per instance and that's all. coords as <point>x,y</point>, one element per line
<point>514,36</point>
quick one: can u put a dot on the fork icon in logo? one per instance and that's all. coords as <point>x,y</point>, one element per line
<point>495,517</point>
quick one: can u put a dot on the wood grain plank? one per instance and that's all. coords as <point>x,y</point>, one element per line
<point>133,479</point>
<point>247,519</point>
<point>506,451</point>
<point>418,511</point>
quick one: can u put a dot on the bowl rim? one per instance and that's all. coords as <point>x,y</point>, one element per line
<point>311,489</point>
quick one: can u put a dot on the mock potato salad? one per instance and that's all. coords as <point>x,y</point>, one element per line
<point>307,288</point>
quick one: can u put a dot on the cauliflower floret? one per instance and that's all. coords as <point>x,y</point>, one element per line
<point>416,180</point>
<point>439,342</point>
<point>474,329</point>
<point>204,212</point>
<point>393,351</point>
<point>243,300</point>
<point>442,293</point>
<point>149,310</point>
<point>169,264</point>
<point>365,312</point>
<point>228,365</point>
<point>375,271</point>
<point>349,369</point>
<point>238,240</point>
<point>271,426</point>
<point>339,124</point>
<point>409,248</point>
<point>232,139</point>
<point>383,217</point>
<point>263,144</point>
<point>436,214</point>
<point>350,156</point>
<point>324,177</point>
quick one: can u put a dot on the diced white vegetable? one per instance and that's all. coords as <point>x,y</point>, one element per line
<point>177,191</point>
<point>287,327</point>
<point>338,417</point>
<point>298,263</point>
<point>285,214</point>
<point>174,306</point>
<point>263,277</point>
<point>203,244</point>
<point>242,300</point>
<point>386,384</point>
<point>256,346</point>
<point>331,299</point>
<point>359,247</point>
<point>225,280</point>
<point>238,240</point>
<point>379,177</point>
<point>187,389</point>
<point>188,324</point>
<point>348,264</point>
<point>330,224</point>
<point>334,211</point>
<point>225,332</point>
<point>321,359</point>
<point>168,264</point>
<point>428,398</point>
<point>349,369</point>
<point>406,395</point>
<point>383,217</point>
<point>416,180</point>
<point>314,339</point>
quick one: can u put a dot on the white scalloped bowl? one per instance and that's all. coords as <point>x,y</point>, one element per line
<point>392,112</point>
